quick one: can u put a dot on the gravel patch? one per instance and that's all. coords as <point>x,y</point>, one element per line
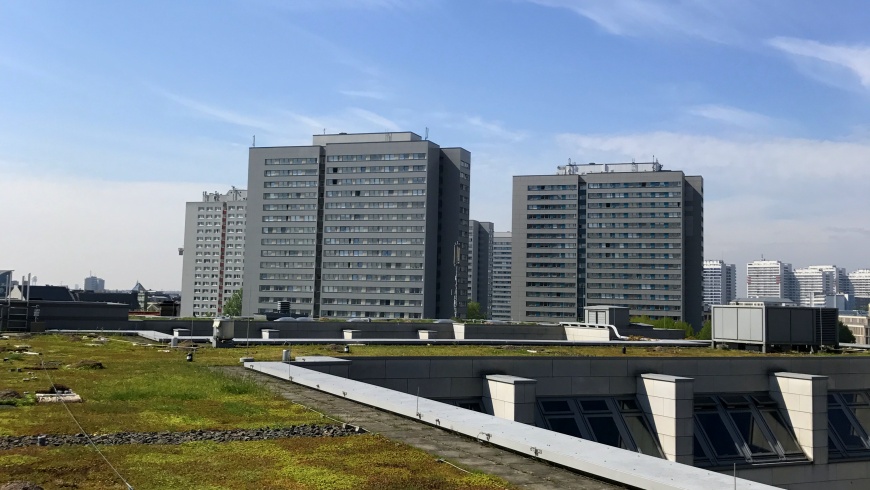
<point>12,442</point>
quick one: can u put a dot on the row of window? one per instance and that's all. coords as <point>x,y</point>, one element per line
<point>376,157</point>
<point>371,290</point>
<point>633,256</point>
<point>550,206</point>
<point>373,302</point>
<point>635,297</point>
<point>375,205</point>
<point>632,195</point>
<point>377,169</point>
<point>374,229</point>
<point>611,285</point>
<point>289,207</point>
<point>291,161</point>
<point>672,214</point>
<point>286,253</point>
<point>373,217</point>
<point>633,225</point>
<point>373,253</point>
<point>290,195</point>
<point>550,304</point>
<point>372,277</point>
<point>619,185</point>
<point>630,265</point>
<point>284,173</point>
<point>373,241</point>
<point>378,181</point>
<point>552,187</point>
<point>552,197</point>
<point>290,183</point>
<point>373,265</point>
<point>635,245</point>
<point>650,204</point>
<point>377,193</point>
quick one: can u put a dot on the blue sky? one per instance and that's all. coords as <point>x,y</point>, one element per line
<point>113,114</point>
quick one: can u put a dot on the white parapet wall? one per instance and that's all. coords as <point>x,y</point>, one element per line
<point>591,458</point>
<point>668,401</point>
<point>511,397</point>
<point>805,400</point>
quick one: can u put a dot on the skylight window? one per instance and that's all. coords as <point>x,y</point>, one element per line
<point>738,428</point>
<point>615,421</point>
<point>848,424</point>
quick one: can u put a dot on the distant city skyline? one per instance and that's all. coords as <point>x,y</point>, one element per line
<point>115,124</point>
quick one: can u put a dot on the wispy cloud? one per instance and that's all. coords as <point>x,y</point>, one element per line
<point>218,113</point>
<point>364,94</point>
<point>733,116</point>
<point>831,62</point>
<point>701,19</point>
<point>376,119</point>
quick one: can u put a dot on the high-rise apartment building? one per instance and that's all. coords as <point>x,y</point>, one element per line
<point>770,279</point>
<point>859,283</point>
<point>214,249</point>
<point>624,234</point>
<point>813,282</point>
<point>95,284</point>
<point>720,283</point>
<point>837,278</point>
<point>501,276</point>
<point>480,235</point>
<point>358,225</point>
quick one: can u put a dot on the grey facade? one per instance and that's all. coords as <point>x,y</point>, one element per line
<point>357,225</point>
<point>95,284</point>
<point>480,249</point>
<point>214,247</point>
<point>613,234</point>
<point>501,276</point>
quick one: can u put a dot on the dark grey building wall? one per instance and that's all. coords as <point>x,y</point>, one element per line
<point>693,251</point>
<point>356,227</point>
<point>625,238</point>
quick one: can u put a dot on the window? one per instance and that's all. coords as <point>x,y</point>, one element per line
<point>848,423</point>
<point>741,428</point>
<point>615,421</point>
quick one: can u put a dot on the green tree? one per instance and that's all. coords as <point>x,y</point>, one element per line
<point>845,335</point>
<point>474,312</point>
<point>233,305</point>
<point>706,332</point>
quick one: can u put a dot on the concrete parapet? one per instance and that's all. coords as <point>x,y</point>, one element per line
<point>427,334</point>
<point>270,333</point>
<point>511,397</point>
<point>668,401</point>
<point>804,397</point>
<point>352,334</point>
<point>180,332</point>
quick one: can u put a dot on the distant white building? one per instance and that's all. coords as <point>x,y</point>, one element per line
<point>501,276</point>
<point>859,283</point>
<point>214,250</point>
<point>770,279</point>
<point>813,282</point>
<point>720,283</point>
<point>95,284</point>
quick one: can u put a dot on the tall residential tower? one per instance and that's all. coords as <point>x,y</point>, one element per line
<point>358,225</point>
<point>214,249</point>
<point>624,234</point>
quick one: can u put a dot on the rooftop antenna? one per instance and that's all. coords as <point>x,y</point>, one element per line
<point>255,141</point>
<point>324,130</point>
<point>427,134</point>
